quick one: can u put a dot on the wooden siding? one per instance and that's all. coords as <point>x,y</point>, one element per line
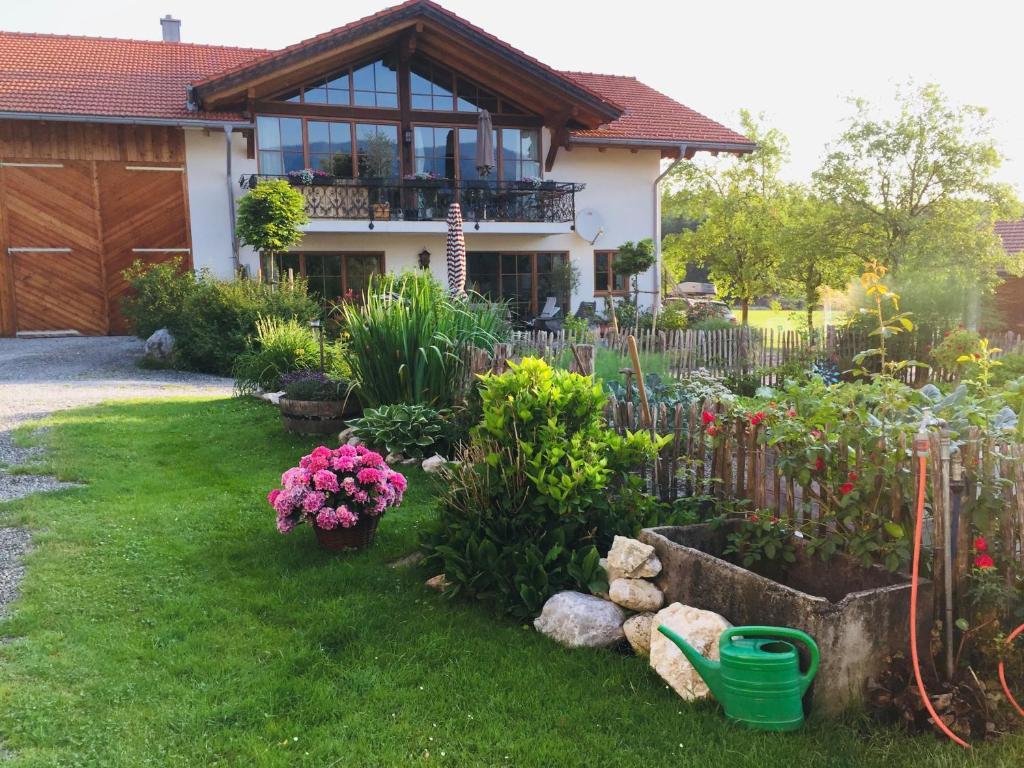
<point>38,140</point>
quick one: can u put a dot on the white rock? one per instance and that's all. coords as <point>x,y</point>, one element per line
<point>159,346</point>
<point>701,629</point>
<point>433,464</point>
<point>410,462</point>
<point>636,594</point>
<point>632,559</point>
<point>638,633</point>
<point>354,441</point>
<point>345,434</point>
<point>393,458</point>
<point>577,620</point>
<point>439,582</point>
<point>274,398</point>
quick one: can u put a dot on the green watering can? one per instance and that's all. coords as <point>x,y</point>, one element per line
<point>758,680</point>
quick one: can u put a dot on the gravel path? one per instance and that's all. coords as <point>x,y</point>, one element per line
<point>40,376</point>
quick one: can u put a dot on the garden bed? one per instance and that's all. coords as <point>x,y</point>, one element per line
<point>857,615</point>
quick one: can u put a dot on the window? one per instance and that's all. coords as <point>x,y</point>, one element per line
<point>520,153</point>
<point>333,90</point>
<point>607,281</point>
<point>430,86</point>
<point>330,275</point>
<point>467,153</point>
<point>375,85</point>
<point>330,146</point>
<point>377,150</point>
<point>280,143</point>
<point>472,98</point>
<point>524,280</point>
<point>434,151</point>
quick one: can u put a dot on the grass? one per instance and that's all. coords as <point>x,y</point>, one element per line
<point>164,622</point>
<point>787,320</point>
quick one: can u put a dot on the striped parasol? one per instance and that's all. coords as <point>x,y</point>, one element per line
<point>456,252</point>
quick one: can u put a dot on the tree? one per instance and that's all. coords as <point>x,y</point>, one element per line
<point>740,203</point>
<point>270,218</point>
<point>917,190</point>
<point>633,259</point>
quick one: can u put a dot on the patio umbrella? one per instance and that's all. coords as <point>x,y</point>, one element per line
<point>456,252</point>
<point>484,144</point>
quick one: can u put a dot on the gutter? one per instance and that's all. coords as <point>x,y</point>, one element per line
<point>693,146</point>
<point>236,263</point>
<point>683,148</point>
<point>170,122</point>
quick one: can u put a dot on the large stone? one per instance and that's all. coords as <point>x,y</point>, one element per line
<point>346,434</point>
<point>632,559</point>
<point>433,464</point>
<point>577,620</point>
<point>274,398</point>
<point>160,346</point>
<point>701,629</point>
<point>638,633</point>
<point>636,594</point>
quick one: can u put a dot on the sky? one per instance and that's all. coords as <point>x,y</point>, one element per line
<point>795,62</point>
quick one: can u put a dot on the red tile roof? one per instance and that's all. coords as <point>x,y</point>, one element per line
<point>651,115</point>
<point>71,75</point>
<point>1012,234</point>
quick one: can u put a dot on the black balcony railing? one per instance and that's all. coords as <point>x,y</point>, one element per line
<point>428,200</point>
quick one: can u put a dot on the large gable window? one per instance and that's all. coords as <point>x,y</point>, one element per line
<point>377,150</point>
<point>520,153</point>
<point>430,86</point>
<point>280,142</point>
<point>330,147</point>
<point>375,85</point>
<point>333,90</point>
<point>472,98</point>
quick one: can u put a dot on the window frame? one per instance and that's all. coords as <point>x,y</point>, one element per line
<point>306,119</point>
<point>535,303</point>
<point>610,255</point>
<point>498,174</point>
<point>303,269</point>
<point>349,72</point>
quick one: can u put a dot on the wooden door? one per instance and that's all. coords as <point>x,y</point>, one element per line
<point>143,214</point>
<point>52,248</point>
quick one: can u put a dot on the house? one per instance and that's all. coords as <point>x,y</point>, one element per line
<point>114,150</point>
<point>1008,295</point>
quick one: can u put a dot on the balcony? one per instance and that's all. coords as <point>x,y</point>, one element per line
<point>421,205</point>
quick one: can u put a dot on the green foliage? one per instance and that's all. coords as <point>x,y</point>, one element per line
<point>407,342</point>
<point>270,217</point>
<point>954,345</point>
<point>635,258</point>
<point>760,542</point>
<point>415,431</point>
<point>281,346</point>
<point>526,511</point>
<point>315,386</point>
<point>886,325</point>
<point>157,294</point>
<point>216,321</point>
<point>673,316</point>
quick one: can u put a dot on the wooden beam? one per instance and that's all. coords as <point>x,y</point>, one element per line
<point>559,138</point>
<point>370,114</point>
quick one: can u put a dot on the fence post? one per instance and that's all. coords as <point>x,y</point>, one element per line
<point>502,354</point>
<point>583,359</point>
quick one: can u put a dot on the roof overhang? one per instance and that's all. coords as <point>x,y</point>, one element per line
<point>686,149</point>
<point>55,117</point>
<point>425,27</point>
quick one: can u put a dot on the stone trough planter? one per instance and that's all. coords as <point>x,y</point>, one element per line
<point>857,615</point>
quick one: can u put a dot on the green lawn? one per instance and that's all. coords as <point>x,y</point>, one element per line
<point>785,319</point>
<point>164,622</point>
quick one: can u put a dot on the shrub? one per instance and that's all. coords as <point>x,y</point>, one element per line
<point>314,385</point>
<point>954,345</point>
<point>279,347</point>
<point>408,340</point>
<point>673,317</point>
<point>525,512</point>
<point>270,216</point>
<point>414,431</point>
<point>157,294</point>
<point>712,324</point>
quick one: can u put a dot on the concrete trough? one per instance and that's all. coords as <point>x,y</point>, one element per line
<point>858,616</point>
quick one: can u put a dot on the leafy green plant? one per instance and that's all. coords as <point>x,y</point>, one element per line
<point>157,294</point>
<point>408,340</point>
<point>673,317</point>
<point>887,325</point>
<point>279,346</point>
<point>954,345</point>
<point>316,386</point>
<point>270,217</point>
<point>759,542</point>
<point>412,430</point>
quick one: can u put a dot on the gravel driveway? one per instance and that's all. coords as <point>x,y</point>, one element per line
<point>40,376</point>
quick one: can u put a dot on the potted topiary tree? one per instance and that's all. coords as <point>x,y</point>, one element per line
<point>631,260</point>
<point>270,219</point>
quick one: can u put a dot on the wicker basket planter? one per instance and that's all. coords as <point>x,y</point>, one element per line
<point>316,417</point>
<point>359,536</point>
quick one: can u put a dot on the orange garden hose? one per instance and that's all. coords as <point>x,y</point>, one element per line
<point>1002,673</point>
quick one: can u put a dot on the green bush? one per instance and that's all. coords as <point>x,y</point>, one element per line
<point>712,324</point>
<point>415,431</point>
<point>282,346</point>
<point>316,386</point>
<point>955,343</point>
<point>530,505</point>
<point>673,317</point>
<point>408,340</point>
<point>157,294</point>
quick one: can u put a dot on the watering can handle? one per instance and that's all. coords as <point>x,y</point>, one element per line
<point>787,632</point>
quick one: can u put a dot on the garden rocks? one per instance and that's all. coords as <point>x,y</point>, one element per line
<point>576,620</point>
<point>638,633</point>
<point>636,595</point>
<point>346,434</point>
<point>439,582</point>
<point>159,347</point>
<point>701,629</point>
<point>274,398</point>
<point>632,559</point>
<point>433,464</point>
<point>393,458</point>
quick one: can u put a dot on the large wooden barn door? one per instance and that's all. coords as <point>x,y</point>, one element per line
<point>144,217</point>
<point>52,246</point>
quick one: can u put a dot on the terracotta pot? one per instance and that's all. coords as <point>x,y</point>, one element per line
<point>359,536</point>
<point>316,417</point>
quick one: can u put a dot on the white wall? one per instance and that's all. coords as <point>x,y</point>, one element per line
<point>206,166</point>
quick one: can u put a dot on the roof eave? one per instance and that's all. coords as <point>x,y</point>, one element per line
<point>687,148</point>
<point>171,122</point>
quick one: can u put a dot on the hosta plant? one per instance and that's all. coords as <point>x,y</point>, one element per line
<point>412,430</point>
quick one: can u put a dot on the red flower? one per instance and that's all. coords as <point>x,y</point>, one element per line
<point>815,433</point>
<point>757,418</point>
<point>980,544</point>
<point>819,464</point>
<point>708,417</point>
<point>713,430</point>
<point>845,488</point>
<point>775,519</point>
<point>752,517</point>
<point>791,412</point>
<point>852,476</point>
<point>984,561</point>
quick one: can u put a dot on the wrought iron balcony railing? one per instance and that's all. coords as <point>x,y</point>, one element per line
<point>428,200</point>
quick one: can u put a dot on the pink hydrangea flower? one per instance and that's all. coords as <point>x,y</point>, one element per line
<point>326,519</point>
<point>343,463</point>
<point>272,496</point>
<point>345,450</point>
<point>285,523</point>
<point>361,496</point>
<point>325,480</point>
<point>288,499</point>
<point>371,459</point>
<point>369,475</point>
<point>398,481</point>
<point>318,464</point>
<point>362,450</point>
<point>296,476</point>
<point>346,517</point>
<point>313,501</point>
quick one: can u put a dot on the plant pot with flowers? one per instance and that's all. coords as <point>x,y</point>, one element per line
<point>315,404</point>
<point>343,493</point>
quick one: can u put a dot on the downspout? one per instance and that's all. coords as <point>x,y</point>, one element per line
<point>657,228</point>
<point>235,262</point>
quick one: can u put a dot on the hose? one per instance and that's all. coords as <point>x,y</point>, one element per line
<point>921,448</point>
<point>1002,673</point>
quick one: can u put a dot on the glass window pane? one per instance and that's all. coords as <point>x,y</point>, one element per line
<point>530,169</point>
<point>339,83</point>
<point>292,97</point>
<point>421,101</point>
<point>366,99</point>
<point>387,100</point>
<point>386,76</point>
<point>362,78</point>
<point>293,161</point>
<point>268,132</point>
<point>530,146</point>
<point>358,268</point>
<point>337,96</point>
<point>377,150</point>
<point>314,265</point>
<point>291,134</point>
<point>316,95</point>
<point>341,136</point>
<point>545,261</point>
<point>319,135</point>
<point>332,264</point>
<point>270,163</point>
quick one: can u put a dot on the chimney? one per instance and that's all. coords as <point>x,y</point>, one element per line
<point>171,29</point>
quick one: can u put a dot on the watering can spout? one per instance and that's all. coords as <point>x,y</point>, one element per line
<point>711,671</point>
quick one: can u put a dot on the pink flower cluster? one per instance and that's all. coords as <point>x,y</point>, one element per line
<point>333,488</point>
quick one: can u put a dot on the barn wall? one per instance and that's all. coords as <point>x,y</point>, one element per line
<point>39,140</point>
